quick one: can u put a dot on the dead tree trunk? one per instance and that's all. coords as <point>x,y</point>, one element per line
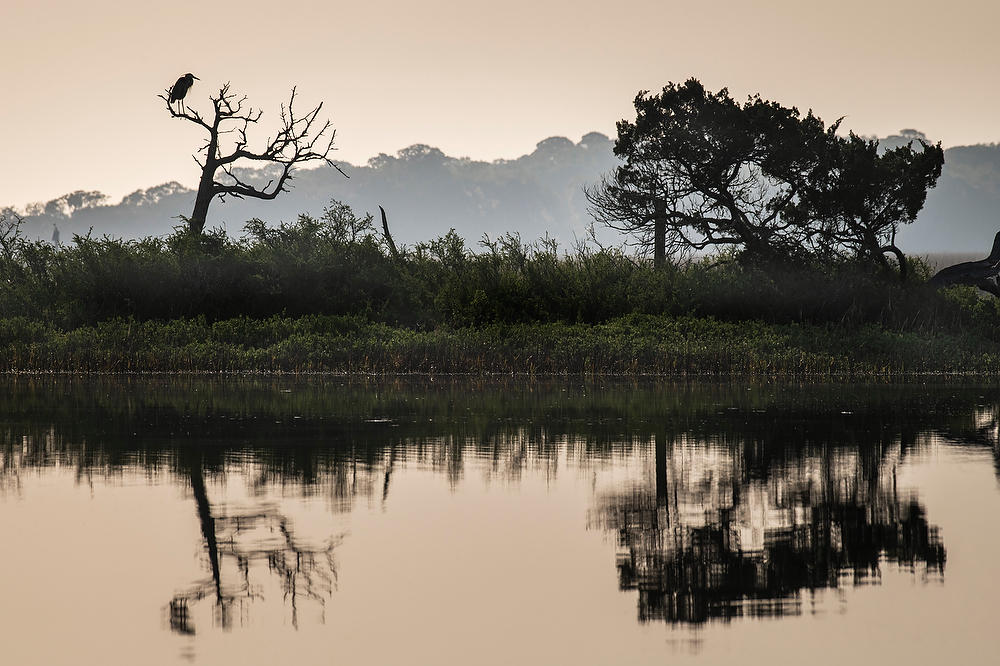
<point>659,233</point>
<point>388,237</point>
<point>984,274</point>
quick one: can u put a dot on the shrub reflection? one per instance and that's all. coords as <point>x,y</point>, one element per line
<point>709,537</point>
<point>754,496</point>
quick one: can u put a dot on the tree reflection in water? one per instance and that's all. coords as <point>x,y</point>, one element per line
<point>245,537</point>
<point>756,495</point>
<point>710,537</point>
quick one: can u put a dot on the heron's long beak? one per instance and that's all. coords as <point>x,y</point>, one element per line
<point>195,77</point>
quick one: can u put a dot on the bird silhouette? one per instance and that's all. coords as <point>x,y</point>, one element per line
<point>180,89</point>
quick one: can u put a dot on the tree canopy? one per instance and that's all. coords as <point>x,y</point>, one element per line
<point>858,202</point>
<point>700,170</point>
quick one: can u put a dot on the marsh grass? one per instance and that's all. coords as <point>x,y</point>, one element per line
<point>632,345</point>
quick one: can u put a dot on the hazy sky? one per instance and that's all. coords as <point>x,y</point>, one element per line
<point>478,79</point>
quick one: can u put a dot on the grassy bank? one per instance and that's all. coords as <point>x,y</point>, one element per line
<point>632,345</point>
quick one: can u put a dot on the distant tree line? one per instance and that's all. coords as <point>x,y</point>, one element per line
<point>427,192</point>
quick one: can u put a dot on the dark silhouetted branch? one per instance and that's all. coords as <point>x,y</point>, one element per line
<point>984,274</point>
<point>388,236</point>
<point>300,139</point>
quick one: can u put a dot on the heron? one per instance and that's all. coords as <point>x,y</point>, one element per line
<point>180,89</point>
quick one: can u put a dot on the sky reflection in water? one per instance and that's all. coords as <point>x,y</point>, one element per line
<point>457,521</point>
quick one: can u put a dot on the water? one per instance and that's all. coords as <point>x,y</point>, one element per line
<point>262,521</point>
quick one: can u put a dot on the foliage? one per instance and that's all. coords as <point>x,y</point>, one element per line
<point>864,194</point>
<point>701,171</point>
<point>326,294</point>
<point>631,345</point>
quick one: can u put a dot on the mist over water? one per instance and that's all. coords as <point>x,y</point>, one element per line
<point>164,520</point>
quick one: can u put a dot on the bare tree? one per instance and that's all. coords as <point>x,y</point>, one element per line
<point>300,139</point>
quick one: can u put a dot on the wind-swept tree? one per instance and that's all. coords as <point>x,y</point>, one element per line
<point>702,171</point>
<point>299,139</point>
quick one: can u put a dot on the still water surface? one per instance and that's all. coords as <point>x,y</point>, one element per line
<point>264,521</point>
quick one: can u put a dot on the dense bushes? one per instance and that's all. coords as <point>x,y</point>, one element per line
<point>338,266</point>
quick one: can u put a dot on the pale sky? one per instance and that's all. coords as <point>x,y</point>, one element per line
<point>477,79</point>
